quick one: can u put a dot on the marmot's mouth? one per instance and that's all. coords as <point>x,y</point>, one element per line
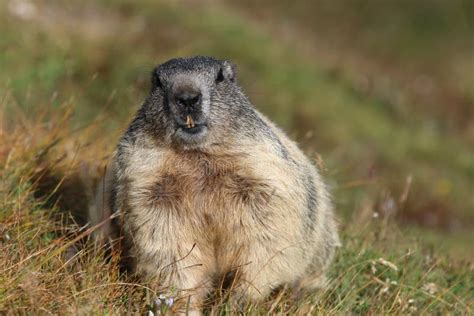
<point>196,129</point>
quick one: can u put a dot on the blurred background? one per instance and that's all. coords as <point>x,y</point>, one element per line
<point>379,93</point>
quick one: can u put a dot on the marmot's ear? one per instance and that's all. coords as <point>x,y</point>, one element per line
<point>155,79</point>
<point>228,70</point>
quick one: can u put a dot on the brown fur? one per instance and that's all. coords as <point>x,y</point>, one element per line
<point>246,212</point>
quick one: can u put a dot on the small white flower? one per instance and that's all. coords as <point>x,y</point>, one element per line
<point>162,302</point>
<point>157,302</point>
<point>150,313</point>
<point>375,215</point>
<point>169,301</point>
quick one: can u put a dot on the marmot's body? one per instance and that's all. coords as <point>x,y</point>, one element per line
<point>210,193</point>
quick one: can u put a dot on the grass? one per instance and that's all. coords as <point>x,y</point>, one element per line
<point>379,270</point>
<point>420,49</point>
<point>67,93</point>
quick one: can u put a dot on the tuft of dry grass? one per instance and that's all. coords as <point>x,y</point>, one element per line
<point>47,263</point>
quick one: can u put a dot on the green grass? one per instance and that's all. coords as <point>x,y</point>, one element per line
<point>50,158</point>
<point>401,49</point>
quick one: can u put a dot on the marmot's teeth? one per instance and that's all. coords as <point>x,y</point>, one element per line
<point>189,121</point>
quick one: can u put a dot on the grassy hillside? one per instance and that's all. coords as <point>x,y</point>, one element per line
<point>73,75</point>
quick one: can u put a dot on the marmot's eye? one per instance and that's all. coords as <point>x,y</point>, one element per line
<point>220,76</point>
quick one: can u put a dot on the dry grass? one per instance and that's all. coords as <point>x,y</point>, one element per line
<point>49,265</point>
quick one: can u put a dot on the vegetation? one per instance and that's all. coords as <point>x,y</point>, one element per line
<point>386,111</point>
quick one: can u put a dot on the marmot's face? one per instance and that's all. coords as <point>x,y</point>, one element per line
<point>188,90</point>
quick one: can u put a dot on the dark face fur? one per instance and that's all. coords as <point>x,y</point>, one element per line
<point>193,99</point>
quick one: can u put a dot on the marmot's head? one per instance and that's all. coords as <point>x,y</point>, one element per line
<point>194,100</point>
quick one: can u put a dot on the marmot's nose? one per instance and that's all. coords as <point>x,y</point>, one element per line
<point>188,99</point>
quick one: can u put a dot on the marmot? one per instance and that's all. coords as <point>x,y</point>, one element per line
<point>210,193</point>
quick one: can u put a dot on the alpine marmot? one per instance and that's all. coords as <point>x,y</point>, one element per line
<point>208,193</point>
